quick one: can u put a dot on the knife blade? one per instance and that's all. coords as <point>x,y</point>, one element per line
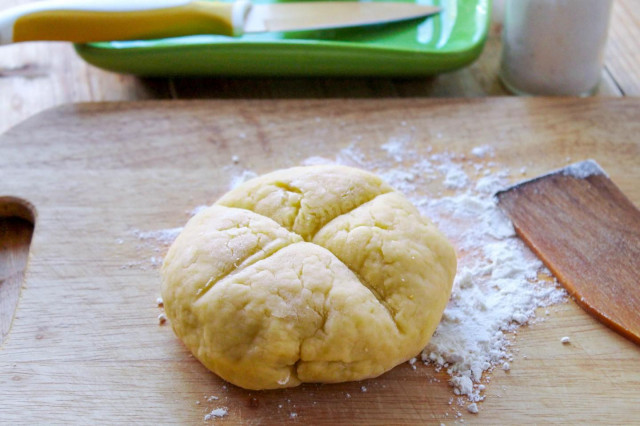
<point>82,21</point>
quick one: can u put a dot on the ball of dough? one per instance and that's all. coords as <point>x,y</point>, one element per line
<point>310,274</point>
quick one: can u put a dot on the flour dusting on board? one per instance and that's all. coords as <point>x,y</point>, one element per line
<point>216,413</point>
<point>162,236</point>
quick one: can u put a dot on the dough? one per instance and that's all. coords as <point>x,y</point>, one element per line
<point>310,274</point>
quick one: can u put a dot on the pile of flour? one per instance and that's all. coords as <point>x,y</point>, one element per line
<point>497,288</point>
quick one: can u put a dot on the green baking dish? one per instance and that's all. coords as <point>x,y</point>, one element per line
<point>451,40</point>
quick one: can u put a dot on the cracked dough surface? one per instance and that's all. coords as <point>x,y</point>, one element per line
<point>310,274</point>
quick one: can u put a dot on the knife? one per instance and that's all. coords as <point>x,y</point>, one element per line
<point>82,21</point>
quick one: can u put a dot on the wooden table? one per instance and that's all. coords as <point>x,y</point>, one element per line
<point>36,76</point>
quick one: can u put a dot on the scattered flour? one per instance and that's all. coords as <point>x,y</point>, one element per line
<point>155,241</point>
<point>216,413</point>
<point>482,151</point>
<point>395,148</point>
<point>412,363</point>
<point>162,236</point>
<point>455,177</point>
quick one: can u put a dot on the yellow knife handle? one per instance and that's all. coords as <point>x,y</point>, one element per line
<point>82,21</point>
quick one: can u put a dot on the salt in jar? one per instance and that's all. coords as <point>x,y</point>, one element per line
<point>554,47</point>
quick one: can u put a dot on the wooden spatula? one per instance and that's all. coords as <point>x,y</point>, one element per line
<point>587,232</point>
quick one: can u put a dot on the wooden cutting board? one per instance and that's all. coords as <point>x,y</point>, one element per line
<point>85,345</point>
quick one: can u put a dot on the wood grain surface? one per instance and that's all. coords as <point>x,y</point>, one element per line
<point>36,76</point>
<point>85,345</point>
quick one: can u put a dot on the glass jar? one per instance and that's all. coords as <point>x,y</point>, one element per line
<point>554,47</point>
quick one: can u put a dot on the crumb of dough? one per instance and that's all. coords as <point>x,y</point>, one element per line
<point>162,319</point>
